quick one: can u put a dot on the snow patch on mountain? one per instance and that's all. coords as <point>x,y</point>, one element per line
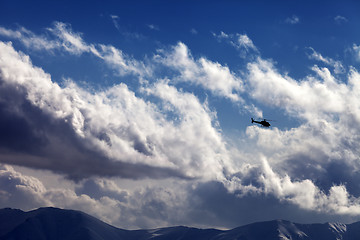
<point>288,229</point>
<point>338,227</point>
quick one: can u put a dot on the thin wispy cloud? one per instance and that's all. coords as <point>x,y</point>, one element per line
<point>194,31</point>
<point>340,19</point>
<point>29,39</point>
<point>221,35</point>
<point>292,20</point>
<point>73,43</point>
<point>115,20</point>
<point>241,42</point>
<point>245,42</point>
<point>337,65</point>
<point>153,27</point>
<point>356,51</point>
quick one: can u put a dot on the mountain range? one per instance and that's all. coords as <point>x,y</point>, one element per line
<point>55,223</point>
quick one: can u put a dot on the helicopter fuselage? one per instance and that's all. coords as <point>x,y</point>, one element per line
<point>263,122</point>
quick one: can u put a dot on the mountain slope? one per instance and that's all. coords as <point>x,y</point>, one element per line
<point>53,223</point>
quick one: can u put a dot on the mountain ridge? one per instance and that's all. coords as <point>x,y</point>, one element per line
<point>54,223</point>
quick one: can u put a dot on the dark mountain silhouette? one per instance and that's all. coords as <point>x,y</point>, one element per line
<point>54,223</point>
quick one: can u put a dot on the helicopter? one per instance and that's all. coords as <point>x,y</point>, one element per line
<point>263,123</point>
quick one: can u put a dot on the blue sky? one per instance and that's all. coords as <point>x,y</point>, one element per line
<point>139,112</point>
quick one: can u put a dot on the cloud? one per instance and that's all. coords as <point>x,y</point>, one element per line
<point>202,204</point>
<point>109,133</point>
<point>241,42</point>
<point>195,137</point>
<point>203,72</point>
<point>21,191</point>
<point>29,39</point>
<point>113,57</point>
<point>292,20</point>
<point>327,136</point>
<point>73,43</point>
<point>98,188</point>
<point>66,39</point>
<point>340,19</point>
<point>117,60</point>
<point>221,36</point>
<point>356,51</point>
<point>141,208</point>
<point>337,65</point>
<point>310,99</point>
<point>114,19</point>
<point>124,31</point>
<point>306,195</point>
<point>239,210</point>
<point>153,27</point>
<point>194,31</point>
<point>245,42</point>
<point>161,131</point>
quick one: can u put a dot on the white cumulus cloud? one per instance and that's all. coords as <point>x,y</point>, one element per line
<point>209,75</point>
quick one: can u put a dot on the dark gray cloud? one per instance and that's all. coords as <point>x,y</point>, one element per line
<point>325,175</point>
<point>15,190</point>
<point>33,138</point>
<point>212,204</point>
<point>98,188</point>
<point>111,133</point>
<point>202,204</point>
<point>16,134</point>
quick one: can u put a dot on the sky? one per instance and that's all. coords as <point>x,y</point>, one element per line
<point>139,112</point>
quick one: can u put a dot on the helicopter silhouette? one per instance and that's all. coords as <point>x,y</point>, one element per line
<point>263,123</point>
